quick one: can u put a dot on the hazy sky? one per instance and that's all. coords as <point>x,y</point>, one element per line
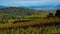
<point>29,2</point>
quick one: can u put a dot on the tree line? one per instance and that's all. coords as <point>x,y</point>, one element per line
<point>57,14</point>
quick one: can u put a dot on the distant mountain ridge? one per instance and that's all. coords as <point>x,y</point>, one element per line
<point>51,8</point>
<point>44,6</point>
<point>3,6</point>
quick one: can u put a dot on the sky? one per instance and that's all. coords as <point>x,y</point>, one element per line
<point>29,2</point>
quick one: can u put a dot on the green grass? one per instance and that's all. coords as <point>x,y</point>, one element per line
<point>5,18</point>
<point>32,30</point>
<point>36,16</point>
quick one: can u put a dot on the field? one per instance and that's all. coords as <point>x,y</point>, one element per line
<point>37,26</point>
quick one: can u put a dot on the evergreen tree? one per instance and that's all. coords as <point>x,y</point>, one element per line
<point>57,13</point>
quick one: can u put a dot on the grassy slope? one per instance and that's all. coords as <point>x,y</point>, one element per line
<point>14,13</point>
<point>11,18</point>
<point>36,16</point>
<point>4,28</point>
<point>32,30</point>
<point>19,11</point>
<point>34,22</point>
<point>37,21</point>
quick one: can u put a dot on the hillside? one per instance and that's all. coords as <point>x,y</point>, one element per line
<point>19,11</point>
<point>11,14</point>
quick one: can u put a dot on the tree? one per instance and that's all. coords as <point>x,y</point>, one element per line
<point>50,15</point>
<point>57,13</point>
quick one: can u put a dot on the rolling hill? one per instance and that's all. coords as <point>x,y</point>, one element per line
<point>19,11</point>
<point>9,14</point>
